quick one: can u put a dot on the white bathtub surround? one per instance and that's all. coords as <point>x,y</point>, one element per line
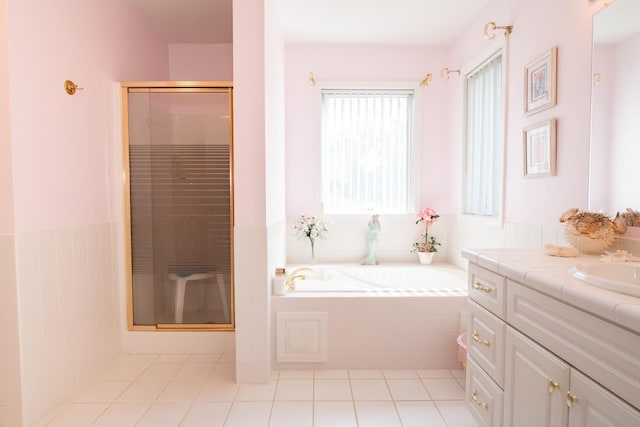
<point>347,239</point>
<point>372,325</point>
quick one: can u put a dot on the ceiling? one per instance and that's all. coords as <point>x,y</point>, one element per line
<point>410,22</point>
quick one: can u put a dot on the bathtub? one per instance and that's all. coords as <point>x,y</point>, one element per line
<point>394,279</point>
<point>391,316</point>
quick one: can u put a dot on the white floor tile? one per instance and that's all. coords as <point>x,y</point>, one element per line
<point>142,391</point>
<point>164,414</point>
<point>419,414</point>
<point>245,414</point>
<point>181,391</point>
<point>456,414</point>
<point>223,372</point>
<point>103,391</point>
<point>160,371</point>
<point>458,373</point>
<point>370,390</point>
<point>407,390</point>
<point>332,374</point>
<point>288,414</point>
<point>227,358</point>
<point>296,375</point>
<point>294,390</point>
<point>194,371</point>
<point>216,391</point>
<point>209,414</point>
<point>122,371</point>
<point>179,357</point>
<point>444,389</point>
<point>365,374</point>
<point>434,373</point>
<point>121,415</point>
<point>334,414</point>
<point>256,392</point>
<point>332,390</point>
<point>78,414</point>
<point>204,357</point>
<point>377,414</point>
<point>397,374</point>
<point>140,358</point>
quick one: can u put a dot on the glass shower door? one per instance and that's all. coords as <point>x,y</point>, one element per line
<point>179,206</point>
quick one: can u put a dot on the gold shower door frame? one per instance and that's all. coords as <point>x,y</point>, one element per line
<point>173,87</point>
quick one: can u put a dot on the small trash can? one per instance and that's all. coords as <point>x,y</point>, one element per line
<point>462,349</point>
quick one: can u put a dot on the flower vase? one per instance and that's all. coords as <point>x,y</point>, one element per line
<point>426,257</point>
<point>313,251</point>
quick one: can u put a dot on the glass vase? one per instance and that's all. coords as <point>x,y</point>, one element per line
<point>313,250</point>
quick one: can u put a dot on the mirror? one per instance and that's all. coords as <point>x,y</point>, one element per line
<point>615,109</point>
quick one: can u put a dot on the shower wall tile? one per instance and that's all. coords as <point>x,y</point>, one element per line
<point>10,379</point>
<point>252,305</point>
<point>68,312</point>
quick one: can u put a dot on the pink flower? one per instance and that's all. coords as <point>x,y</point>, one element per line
<point>427,216</point>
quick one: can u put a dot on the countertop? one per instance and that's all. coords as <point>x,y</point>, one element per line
<point>550,275</point>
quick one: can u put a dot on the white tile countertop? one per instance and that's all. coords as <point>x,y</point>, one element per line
<point>551,275</point>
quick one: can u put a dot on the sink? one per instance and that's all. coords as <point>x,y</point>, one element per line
<point>618,277</point>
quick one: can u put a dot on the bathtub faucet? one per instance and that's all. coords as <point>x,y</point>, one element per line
<point>290,283</point>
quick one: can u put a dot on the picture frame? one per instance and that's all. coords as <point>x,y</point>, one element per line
<point>540,82</point>
<point>540,149</point>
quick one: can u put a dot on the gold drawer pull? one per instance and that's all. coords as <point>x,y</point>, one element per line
<point>571,399</point>
<point>476,338</point>
<point>481,287</point>
<point>552,385</point>
<point>476,400</point>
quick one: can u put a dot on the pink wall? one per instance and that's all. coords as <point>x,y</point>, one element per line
<point>339,63</point>
<point>534,201</point>
<point>6,168</point>
<point>201,62</point>
<point>62,144</point>
<point>539,26</point>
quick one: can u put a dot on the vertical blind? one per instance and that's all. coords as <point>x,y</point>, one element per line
<point>366,137</point>
<point>485,133</point>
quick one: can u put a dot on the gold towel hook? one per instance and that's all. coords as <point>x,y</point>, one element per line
<point>444,74</point>
<point>491,27</point>
<point>427,80</point>
<point>71,88</point>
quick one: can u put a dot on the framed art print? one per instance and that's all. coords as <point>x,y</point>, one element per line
<point>540,149</point>
<point>540,83</point>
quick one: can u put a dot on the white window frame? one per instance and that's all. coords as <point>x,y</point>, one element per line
<point>496,48</point>
<point>415,149</point>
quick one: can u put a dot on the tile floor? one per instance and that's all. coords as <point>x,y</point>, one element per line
<point>190,390</point>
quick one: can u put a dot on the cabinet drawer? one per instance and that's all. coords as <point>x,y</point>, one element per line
<point>610,354</point>
<point>483,396</point>
<point>485,342</point>
<point>487,289</point>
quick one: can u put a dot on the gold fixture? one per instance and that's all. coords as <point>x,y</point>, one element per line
<point>444,74</point>
<point>70,87</point>
<point>478,286</point>
<point>289,281</point>
<point>476,338</point>
<point>476,400</point>
<point>427,80</point>
<point>491,27</point>
<point>571,399</point>
<point>312,80</point>
<point>552,385</point>
<point>596,79</point>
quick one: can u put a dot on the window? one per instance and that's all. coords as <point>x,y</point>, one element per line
<point>366,151</point>
<point>484,138</point>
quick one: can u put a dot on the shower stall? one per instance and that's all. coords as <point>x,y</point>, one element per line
<point>178,157</point>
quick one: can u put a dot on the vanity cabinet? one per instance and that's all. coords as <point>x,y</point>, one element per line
<point>536,361</point>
